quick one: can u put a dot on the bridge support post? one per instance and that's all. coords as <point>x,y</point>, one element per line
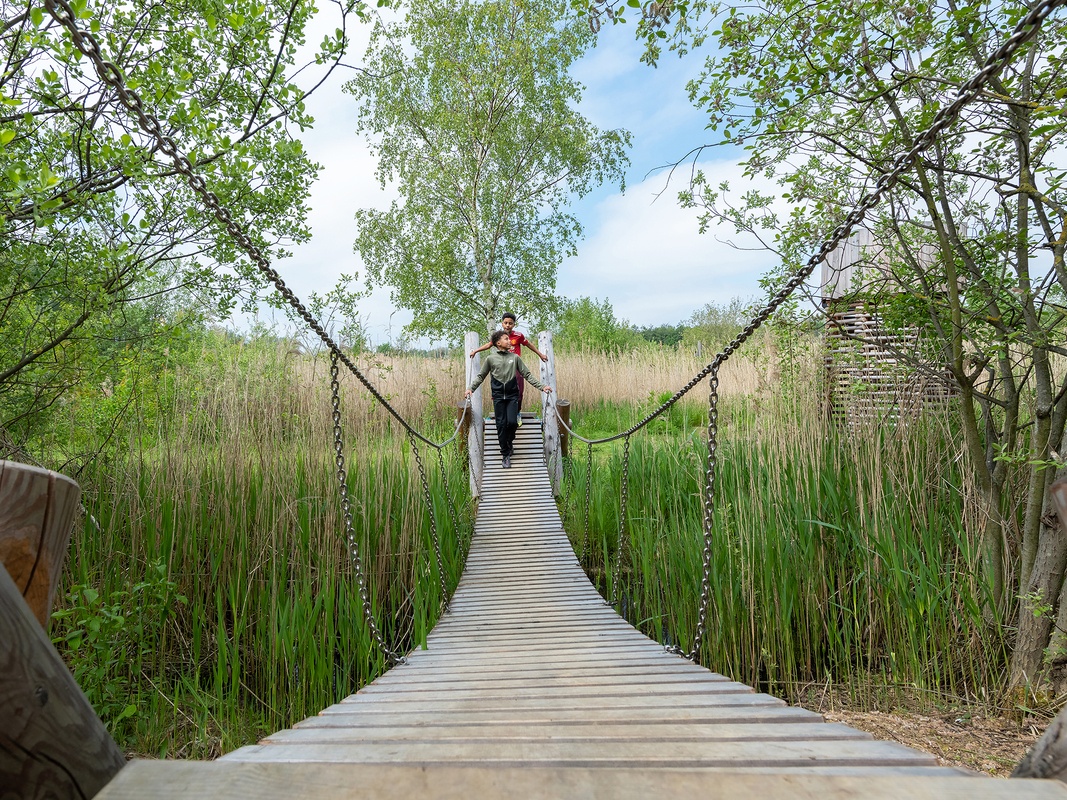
<point>553,450</point>
<point>52,744</point>
<point>475,432</point>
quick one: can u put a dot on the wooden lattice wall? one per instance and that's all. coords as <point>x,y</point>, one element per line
<point>868,379</point>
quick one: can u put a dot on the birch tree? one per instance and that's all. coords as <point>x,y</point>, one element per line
<point>473,116</point>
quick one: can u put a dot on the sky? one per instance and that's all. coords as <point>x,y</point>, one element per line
<point>641,252</point>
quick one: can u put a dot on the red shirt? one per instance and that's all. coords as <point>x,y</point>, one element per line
<point>517,341</point>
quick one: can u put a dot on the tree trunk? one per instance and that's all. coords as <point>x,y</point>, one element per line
<point>1040,604</point>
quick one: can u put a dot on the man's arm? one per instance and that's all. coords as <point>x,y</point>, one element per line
<point>478,380</point>
<point>524,370</point>
<point>537,352</point>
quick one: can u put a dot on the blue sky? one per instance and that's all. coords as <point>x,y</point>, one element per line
<point>643,254</point>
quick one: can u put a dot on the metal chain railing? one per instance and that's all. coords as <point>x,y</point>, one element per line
<point>428,496</point>
<point>588,498</point>
<point>1024,30</point>
<point>109,73</point>
<point>623,497</point>
<point>62,12</point>
<point>452,513</point>
<point>346,514</point>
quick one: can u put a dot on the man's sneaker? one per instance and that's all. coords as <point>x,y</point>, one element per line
<point>520,421</point>
<point>506,463</point>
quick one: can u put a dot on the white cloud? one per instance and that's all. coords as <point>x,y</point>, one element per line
<point>647,257</point>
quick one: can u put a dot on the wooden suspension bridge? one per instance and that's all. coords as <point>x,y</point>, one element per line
<point>532,686</point>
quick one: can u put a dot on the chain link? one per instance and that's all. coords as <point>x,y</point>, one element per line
<point>346,514</point>
<point>588,498</point>
<point>433,521</point>
<point>709,511</point>
<point>448,494</point>
<point>624,492</point>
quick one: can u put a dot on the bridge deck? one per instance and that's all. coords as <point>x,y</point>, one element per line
<point>533,686</point>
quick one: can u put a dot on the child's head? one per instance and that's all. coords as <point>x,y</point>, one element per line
<point>501,339</point>
<point>507,321</point>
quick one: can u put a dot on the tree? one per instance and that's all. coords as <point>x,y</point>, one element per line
<point>823,98</point>
<point>96,225</point>
<point>715,325</point>
<point>472,114</point>
<point>667,335</point>
<point>589,325</point>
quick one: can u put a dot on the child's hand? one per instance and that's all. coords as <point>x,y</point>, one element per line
<point>544,358</point>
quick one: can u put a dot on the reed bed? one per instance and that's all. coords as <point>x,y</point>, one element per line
<point>228,515</point>
<point>210,596</point>
<point>837,556</point>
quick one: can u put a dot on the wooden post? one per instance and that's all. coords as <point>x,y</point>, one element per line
<point>1048,757</point>
<point>553,454</point>
<point>474,432</point>
<point>36,511</point>
<point>52,744</point>
<point>563,408</point>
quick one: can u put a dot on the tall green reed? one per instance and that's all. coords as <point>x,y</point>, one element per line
<point>836,557</point>
<point>235,495</point>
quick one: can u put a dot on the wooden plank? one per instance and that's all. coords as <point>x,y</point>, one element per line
<point>731,754</point>
<point>575,734</point>
<point>454,702</point>
<point>650,681</point>
<point>561,695</point>
<point>346,717</point>
<point>235,780</point>
<point>557,668</point>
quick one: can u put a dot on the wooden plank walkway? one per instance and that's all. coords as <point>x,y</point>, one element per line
<point>532,686</point>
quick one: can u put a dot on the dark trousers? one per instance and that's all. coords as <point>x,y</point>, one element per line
<point>506,412</point>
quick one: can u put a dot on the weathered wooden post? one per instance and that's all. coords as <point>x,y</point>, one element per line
<point>553,454</point>
<point>477,421</point>
<point>52,744</point>
<point>563,408</point>
<point>36,511</point>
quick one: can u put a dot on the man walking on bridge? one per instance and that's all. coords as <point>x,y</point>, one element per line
<point>505,366</point>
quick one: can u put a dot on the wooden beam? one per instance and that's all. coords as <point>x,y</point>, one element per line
<point>36,511</point>
<point>52,744</point>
